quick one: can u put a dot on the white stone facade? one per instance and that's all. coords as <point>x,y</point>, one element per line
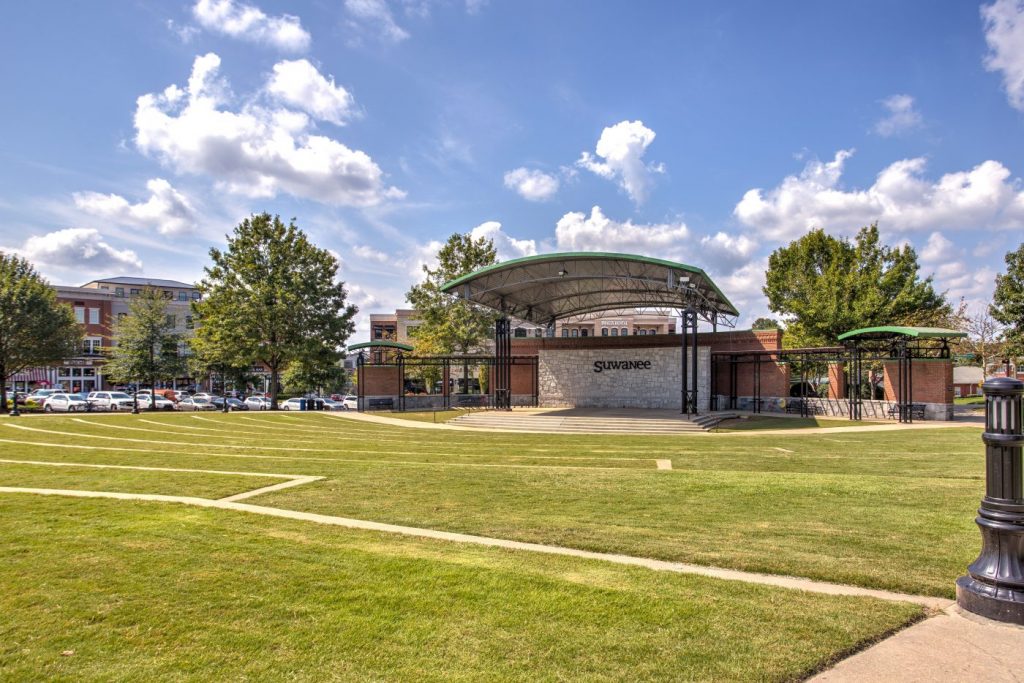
<point>629,378</point>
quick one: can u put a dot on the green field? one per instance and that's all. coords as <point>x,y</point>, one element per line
<point>161,590</point>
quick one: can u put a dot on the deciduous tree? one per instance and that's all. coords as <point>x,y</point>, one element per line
<point>830,285</point>
<point>145,343</point>
<point>34,328</point>
<point>271,296</point>
<point>1008,302</point>
<point>451,324</point>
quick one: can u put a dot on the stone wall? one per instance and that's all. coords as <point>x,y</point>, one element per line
<point>568,377</point>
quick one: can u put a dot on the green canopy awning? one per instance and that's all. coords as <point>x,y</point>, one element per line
<point>893,331</point>
<point>380,344</point>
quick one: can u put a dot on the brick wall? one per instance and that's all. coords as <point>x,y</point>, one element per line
<point>932,381</point>
<point>379,380</point>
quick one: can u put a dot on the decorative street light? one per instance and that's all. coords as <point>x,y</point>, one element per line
<point>14,401</point>
<point>135,399</point>
<point>994,585</point>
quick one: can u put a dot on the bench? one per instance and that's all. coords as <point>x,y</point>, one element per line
<point>380,404</point>
<point>801,407</point>
<point>916,411</point>
<point>471,400</point>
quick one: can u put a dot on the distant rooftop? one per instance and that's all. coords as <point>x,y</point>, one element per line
<point>144,281</point>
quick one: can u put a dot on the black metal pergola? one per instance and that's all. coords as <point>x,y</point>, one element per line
<point>550,287</point>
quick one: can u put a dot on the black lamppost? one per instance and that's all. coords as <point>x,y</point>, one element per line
<point>994,585</point>
<point>135,400</point>
<point>224,389</point>
<point>14,402</point>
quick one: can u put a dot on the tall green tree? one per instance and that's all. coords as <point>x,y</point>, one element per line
<point>145,347</point>
<point>272,297</point>
<point>320,371</point>
<point>34,328</point>
<point>830,285</point>
<point>1008,302</point>
<point>447,323</point>
<point>765,324</point>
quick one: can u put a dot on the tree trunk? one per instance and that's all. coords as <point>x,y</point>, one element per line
<point>152,393</point>
<point>3,389</point>
<point>273,387</point>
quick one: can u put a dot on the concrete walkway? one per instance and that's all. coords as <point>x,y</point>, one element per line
<point>952,646</point>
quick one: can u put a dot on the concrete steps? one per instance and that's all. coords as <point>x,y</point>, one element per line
<point>587,424</point>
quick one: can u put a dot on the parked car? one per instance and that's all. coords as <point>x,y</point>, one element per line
<point>330,404</point>
<point>351,402</point>
<point>110,400</point>
<point>39,395</point>
<point>258,403</point>
<point>292,404</point>
<point>145,400</point>
<point>233,403</point>
<point>204,395</point>
<point>61,402</point>
<point>195,403</point>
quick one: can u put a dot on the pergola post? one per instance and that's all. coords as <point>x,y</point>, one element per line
<point>689,374</point>
<point>503,363</point>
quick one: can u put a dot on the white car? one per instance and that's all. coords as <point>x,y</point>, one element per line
<point>161,402</point>
<point>195,403</point>
<point>64,403</point>
<point>203,395</point>
<point>258,403</point>
<point>110,400</point>
<point>351,402</point>
<point>291,404</point>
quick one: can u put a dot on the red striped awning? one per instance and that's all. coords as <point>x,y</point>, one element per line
<point>30,375</point>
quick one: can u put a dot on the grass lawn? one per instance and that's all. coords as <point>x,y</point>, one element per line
<point>428,415</point>
<point>969,400</point>
<point>889,510</point>
<point>156,591</point>
<point>761,422</point>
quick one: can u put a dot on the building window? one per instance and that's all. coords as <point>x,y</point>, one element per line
<point>94,316</point>
<point>604,331</point>
<point>195,296</point>
<point>91,346</point>
<point>520,332</point>
<point>624,332</point>
<point>575,332</point>
<point>172,320</point>
<point>378,333</point>
<point>80,314</point>
<point>565,332</point>
<point>119,291</point>
<point>583,333</point>
<point>135,292</point>
<point>188,323</point>
<point>182,296</point>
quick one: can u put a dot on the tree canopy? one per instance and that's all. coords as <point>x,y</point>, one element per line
<point>35,329</point>
<point>765,324</point>
<point>1008,302</point>
<point>829,285</point>
<point>447,323</point>
<point>271,297</point>
<point>145,343</point>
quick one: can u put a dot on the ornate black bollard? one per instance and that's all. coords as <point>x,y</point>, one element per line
<point>994,585</point>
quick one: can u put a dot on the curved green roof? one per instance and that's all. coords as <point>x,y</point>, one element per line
<point>547,287</point>
<point>380,344</point>
<point>898,330</point>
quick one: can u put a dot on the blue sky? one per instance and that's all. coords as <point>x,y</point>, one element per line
<point>137,134</point>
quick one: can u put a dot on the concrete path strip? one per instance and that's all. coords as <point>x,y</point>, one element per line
<point>953,646</point>
<point>658,565</point>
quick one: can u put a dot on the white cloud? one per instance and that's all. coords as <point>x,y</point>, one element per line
<point>724,253</point>
<point>900,117</point>
<point>576,231</point>
<point>370,254</point>
<point>744,288</point>
<point>954,272</point>
<point>507,246</point>
<point>167,210</point>
<point>474,6</point>
<point>532,184</point>
<point>299,84</point>
<point>246,22</point>
<point>255,151</point>
<point>1004,33</point>
<point>375,15</point>
<point>78,248</point>
<point>622,149</point>
<point>984,197</point>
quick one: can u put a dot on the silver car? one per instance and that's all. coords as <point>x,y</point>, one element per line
<point>64,403</point>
